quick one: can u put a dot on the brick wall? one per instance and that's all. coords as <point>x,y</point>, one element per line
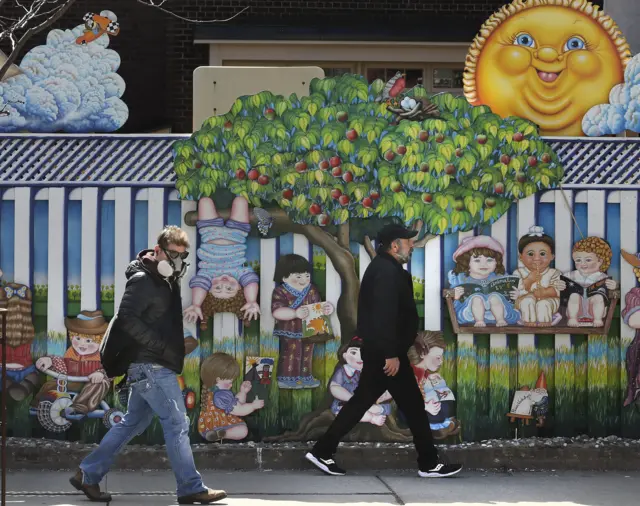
<point>159,56</point>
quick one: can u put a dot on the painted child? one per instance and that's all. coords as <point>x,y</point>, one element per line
<point>479,260</point>
<point>22,375</point>
<point>294,290</point>
<point>592,257</point>
<point>223,278</point>
<point>82,359</point>
<point>426,355</point>
<point>631,316</point>
<point>221,409</point>
<point>345,380</point>
<point>538,294</point>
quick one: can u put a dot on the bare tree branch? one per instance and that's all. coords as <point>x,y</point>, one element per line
<point>368,246</point>
<point>158,4</point>
<point>16,47</point>
<point>39,15</point>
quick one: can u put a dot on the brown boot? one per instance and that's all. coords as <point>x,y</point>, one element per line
<point>91,491</point>
<point>206,497</point>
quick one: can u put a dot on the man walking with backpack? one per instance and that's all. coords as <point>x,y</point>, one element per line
<point>145,340</point>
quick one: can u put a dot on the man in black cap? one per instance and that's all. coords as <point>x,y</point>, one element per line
<point>387,324</point>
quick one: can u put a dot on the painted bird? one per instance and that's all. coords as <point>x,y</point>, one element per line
<point>395,86</point>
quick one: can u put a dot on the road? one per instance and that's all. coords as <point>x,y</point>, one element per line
<point>155,488</point>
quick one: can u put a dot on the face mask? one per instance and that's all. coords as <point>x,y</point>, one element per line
<point>174,265</point>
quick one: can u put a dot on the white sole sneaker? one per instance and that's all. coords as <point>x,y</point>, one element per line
<point>437,474</point>
<point>322,466</point>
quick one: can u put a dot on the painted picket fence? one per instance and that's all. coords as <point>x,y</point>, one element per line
<point>93,226</point>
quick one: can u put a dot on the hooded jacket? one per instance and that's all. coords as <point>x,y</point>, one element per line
<point>387,315</point>
<point>148,327</point>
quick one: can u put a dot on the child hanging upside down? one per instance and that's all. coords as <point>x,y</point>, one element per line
<point>224,280</point>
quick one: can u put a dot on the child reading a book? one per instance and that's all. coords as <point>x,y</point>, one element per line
<point>294,290</point>
<point>480,295</point>
<point>221,410</point>
<point>538,293</point>
<point>585,288</point>
<point>345,380</point>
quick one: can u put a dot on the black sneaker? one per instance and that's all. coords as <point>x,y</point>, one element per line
<point>327,466</point>
<point>441,471</point>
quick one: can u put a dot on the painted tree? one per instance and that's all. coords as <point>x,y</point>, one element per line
<point>349,152</point>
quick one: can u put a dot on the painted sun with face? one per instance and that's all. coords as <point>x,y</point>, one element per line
<point>548,61</point>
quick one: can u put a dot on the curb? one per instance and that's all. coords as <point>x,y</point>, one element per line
<point>501,455</point>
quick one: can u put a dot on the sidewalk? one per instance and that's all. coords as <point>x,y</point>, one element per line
<point>312,488</point>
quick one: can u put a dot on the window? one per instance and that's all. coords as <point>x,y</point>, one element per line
<point>336,71</point>
<point>413,76</point>
<point>447,79</point>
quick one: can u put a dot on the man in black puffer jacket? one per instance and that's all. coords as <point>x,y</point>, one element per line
<point>146,340</point>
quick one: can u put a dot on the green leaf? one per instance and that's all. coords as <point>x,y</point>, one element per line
<point>299,201</point>
<point>237,107</point>
<point>400,199</point>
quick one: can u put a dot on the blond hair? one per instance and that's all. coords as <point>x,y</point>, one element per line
<point>173,235</point>
<point>599,247</point>
<point>20,328</point>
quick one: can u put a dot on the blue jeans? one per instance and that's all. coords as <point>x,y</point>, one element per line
<point>154,390</point>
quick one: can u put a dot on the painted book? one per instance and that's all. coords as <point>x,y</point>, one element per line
<point>316,325</point>
<point>502,285</point>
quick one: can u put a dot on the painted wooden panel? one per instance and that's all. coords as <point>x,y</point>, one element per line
<point>122,241</point>
<point>57,287</point>
<point>23,236</point>
<point>433,279</point>
<point>90,246</point>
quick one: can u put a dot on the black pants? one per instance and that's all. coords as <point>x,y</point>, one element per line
<point>404,389</point>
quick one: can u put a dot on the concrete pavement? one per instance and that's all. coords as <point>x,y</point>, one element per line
<point>146,488</point>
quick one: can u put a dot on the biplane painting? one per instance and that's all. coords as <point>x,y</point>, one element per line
<point>69,84</point>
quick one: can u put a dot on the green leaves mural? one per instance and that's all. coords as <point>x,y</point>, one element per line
<point>340,153</point>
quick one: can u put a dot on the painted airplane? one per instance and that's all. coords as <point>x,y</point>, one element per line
<point>96,25</point>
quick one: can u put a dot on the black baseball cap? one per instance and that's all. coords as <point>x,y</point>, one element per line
<point>391,232</point>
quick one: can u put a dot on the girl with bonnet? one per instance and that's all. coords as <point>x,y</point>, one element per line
<point>479,260</point>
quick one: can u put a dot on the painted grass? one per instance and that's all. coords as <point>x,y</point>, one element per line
<point>269,422</point>
<point>528,367</point>
<point>499,392</point>
<point>565,378</point>
<point>483,425</point>
<point>613,382</point>
<point>466,393</point>
<point>580,414</point>
<point>597,384</point>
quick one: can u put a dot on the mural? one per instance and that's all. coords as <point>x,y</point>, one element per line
<point>426,356</point>
<point>548,61</point>
<point>342,155</point>
<point>22,377</point>
<point>531,404</point>
<point>631,316</point>
<point>536,295</point>
<point>298,323</point>
<point>224,283</point>
<point>220,417</point>
<point>70,84</point>
<point>622,112</point>
<point>78,385</point>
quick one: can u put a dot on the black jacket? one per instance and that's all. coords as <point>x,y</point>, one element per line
<point>148,327</point>
<point>387,315</point>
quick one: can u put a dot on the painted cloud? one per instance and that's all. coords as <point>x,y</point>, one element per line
<point>65,87</point>
<point>623,110</point>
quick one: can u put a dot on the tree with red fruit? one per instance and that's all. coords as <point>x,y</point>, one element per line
<point>324,165</point>
<point>319,162</point>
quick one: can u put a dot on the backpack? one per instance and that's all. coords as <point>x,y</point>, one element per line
<point>115,354</point>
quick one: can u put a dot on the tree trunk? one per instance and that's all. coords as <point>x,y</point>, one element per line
<point>336,248</point>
